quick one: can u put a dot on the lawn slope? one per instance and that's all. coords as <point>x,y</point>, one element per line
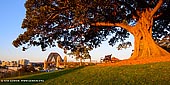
<point>143,74</point>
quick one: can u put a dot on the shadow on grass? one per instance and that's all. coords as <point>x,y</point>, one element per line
<point>39,78</point>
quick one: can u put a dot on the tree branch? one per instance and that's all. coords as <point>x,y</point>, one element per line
<point>160,2</point>
<point>156,16</point>
<point>122,25</point>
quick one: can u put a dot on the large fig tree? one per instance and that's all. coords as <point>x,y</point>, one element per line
<point>70,23</point>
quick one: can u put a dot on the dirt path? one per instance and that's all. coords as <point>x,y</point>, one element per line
<point>139,61</point>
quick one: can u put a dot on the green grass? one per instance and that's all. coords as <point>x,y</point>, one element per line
<point>147,74</point>
<point>41,76</point>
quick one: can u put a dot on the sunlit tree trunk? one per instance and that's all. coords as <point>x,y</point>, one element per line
<point>145,46</point>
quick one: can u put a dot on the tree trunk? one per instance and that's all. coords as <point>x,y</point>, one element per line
<point>80,61</point>
<point>90,59</point>
<point>145,46</point>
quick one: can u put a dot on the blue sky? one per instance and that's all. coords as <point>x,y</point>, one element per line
<point>11,16</point>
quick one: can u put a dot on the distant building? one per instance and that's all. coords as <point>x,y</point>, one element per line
<point>14,68</point>
<point>7,63</point>
<point>37,64</point>
<point>3,63</point>
<point>13,63</point>
<point>23,62</point>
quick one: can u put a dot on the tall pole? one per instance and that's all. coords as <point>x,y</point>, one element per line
<point>58,62</point>
<point>65,60</point>
<point>45,65</point>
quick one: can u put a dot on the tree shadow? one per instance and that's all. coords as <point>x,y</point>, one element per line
<point>43,77</point>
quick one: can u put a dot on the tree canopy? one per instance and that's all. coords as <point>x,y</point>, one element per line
<point>70,23</point>
<point>80,52</point>
<point>165,43</point>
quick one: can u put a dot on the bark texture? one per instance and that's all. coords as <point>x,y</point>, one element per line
<point>145,47</point>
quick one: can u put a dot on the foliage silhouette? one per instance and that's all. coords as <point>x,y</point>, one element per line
<point>70,23</point>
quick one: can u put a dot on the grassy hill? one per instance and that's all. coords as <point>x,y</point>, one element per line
<point>144,74</point>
